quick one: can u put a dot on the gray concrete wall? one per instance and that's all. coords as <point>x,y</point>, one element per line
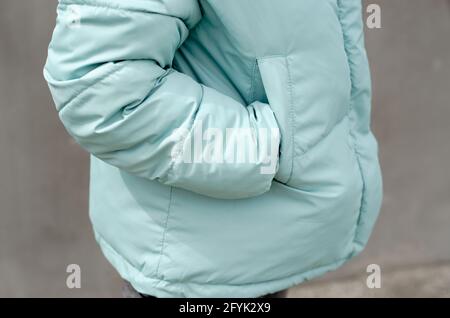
<point>44,223</point>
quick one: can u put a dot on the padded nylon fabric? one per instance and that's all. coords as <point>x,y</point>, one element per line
<point>137,82</point>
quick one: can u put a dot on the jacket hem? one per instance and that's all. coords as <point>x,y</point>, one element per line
<point>163,288</point>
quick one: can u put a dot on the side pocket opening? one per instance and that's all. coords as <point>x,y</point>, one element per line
<point>275,75</point>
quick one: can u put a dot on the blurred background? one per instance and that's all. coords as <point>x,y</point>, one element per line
<point>44,224</point>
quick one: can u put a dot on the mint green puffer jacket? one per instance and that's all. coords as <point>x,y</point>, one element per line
<point>136,83</point>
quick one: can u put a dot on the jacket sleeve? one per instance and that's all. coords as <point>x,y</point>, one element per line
<point>109,70</point>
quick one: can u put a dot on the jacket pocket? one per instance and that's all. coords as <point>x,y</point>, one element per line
<point>275,75</point>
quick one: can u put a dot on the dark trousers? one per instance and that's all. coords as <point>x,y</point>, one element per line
<point>129,292</point>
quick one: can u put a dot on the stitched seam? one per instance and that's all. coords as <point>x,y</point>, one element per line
<point>163,239</point>
<point>121,9</point>
<point>268,57</point>
<point>292,118</point>
<point>117,7</point>
<point>354,145</point>
<point>322,137</point>
<point>83,89</point>
<point>291,122</point>
<point>194,117</point>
